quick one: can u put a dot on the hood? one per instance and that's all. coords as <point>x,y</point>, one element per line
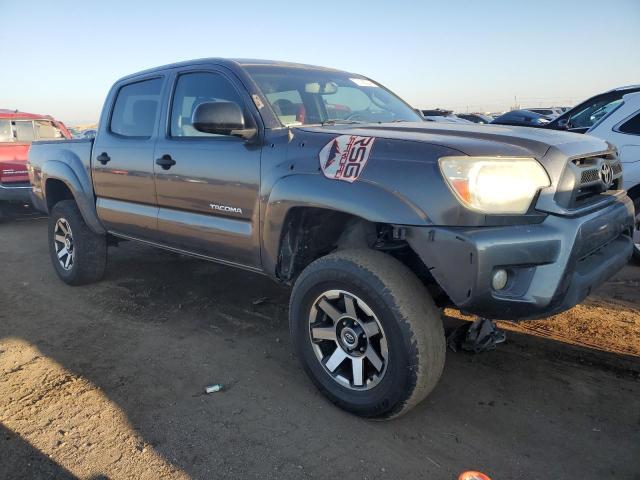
<point>474,139</point>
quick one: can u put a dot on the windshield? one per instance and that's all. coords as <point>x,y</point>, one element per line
<point>302,96</point>
<point>589,116</point>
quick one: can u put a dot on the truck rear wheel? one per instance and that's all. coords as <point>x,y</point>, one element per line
<point>79,256</point>
<point>367,332</point>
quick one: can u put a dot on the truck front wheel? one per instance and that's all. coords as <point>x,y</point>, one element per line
<point>79,256</point>
<point>367,332</point>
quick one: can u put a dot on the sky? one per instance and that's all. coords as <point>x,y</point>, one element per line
<point>60,57</point>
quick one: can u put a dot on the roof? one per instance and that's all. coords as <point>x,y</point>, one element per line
<point>246,62</point>
<point>626,87</point>
<point>6,113</point>
<point>228,62</point>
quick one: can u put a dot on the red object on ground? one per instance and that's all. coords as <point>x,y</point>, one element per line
<point>471,475</point>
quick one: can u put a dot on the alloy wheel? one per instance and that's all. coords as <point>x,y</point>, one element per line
<point>63,243</point>
<point>348,340</point>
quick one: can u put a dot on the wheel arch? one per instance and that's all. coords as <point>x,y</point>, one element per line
<point>62,182</point>
<point>307,216</point>
<point>634,192</point>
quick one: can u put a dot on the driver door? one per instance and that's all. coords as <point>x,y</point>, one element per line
<point>207,193</point>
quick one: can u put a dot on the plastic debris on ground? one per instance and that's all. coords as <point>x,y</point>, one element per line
<point>213,388</point>
<point>479,336</point>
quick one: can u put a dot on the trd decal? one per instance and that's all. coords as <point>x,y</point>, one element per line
<point>345,157</point>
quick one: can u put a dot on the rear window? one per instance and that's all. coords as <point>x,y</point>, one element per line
<point>136,109</point>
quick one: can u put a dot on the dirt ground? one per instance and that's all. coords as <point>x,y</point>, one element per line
<point>106,381</point>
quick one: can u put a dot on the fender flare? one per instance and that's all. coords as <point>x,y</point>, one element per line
<point>364,199</point>
<point>71,172</point>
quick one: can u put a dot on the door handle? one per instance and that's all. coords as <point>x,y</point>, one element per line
<point>165,161</point>
<point>103,158</point>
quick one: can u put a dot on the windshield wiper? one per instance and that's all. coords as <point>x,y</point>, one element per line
<point>337,121</point>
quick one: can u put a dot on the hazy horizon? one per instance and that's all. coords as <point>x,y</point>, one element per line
<point>476,56</point>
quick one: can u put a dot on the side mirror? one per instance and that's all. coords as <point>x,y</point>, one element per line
<point>563,123</point>
<point>221,118</point>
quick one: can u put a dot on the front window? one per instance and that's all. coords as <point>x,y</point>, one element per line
<point>303,96</point>
<point>195,88</point>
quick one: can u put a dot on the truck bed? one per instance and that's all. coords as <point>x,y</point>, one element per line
<point>74,155</point>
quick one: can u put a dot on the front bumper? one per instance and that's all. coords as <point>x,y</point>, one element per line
<point>18,192</point>
<point>552,265</point>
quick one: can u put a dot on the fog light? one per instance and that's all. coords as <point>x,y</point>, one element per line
<point>499,279</point>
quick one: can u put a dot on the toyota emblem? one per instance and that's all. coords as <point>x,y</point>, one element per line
<point>606,174</point>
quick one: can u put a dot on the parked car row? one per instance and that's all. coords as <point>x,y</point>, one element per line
<point>476,117</point>
<point>522,118</point>
<point>83,133</point>
<point>442,116</point>
<point>551,112</point>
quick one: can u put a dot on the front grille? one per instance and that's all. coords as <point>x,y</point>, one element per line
<point>589,176</point>
<point>586,179</point>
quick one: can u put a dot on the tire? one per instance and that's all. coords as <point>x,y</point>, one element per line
<point>409,327</point>
<point>88,259</point>
<point>636,233</point>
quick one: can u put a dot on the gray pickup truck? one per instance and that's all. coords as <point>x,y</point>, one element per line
<point>327,181</point>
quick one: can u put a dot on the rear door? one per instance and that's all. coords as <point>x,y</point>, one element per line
<point>208,199</point>
<point>122,159</point>
<point>625,135</point>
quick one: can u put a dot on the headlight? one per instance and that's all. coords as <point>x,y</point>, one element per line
<point>494,185</point>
